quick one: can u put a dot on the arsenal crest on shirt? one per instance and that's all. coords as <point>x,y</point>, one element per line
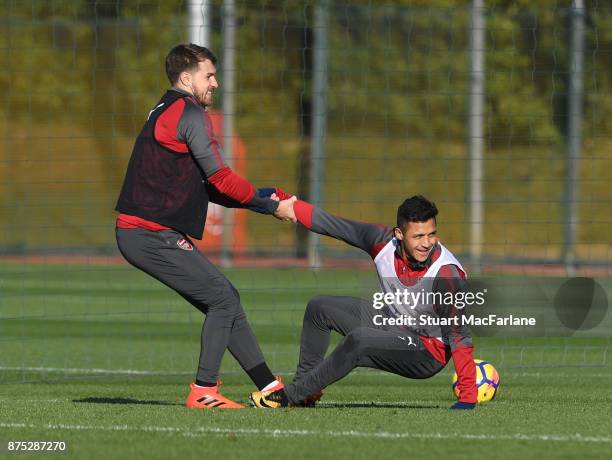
<point>184,245</point>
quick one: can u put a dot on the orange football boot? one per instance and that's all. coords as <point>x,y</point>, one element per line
<point>208,398</point>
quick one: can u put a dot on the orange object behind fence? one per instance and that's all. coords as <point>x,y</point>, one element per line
<point>212,240</point>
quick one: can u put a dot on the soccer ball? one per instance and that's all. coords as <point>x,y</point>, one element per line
<point>487,381</point>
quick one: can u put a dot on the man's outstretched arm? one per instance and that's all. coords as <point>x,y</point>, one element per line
<point>371,238</point>
<point>284,210</point>
<point>458,335</point>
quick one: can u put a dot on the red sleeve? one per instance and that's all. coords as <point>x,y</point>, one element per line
<point>281,194</point>
<point>303,213</point>
<point>465,368</point>
<point>232,185</point>
<point>215,196</point>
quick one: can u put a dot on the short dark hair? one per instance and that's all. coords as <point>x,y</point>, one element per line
<point>185,57</point>
<point>415,209</point>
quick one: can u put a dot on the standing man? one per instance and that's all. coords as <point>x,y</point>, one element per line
<point>175,169</point>
<point>409,260</point>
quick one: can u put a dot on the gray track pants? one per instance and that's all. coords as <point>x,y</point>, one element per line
<point>195,278</point>
<point>392,349</point>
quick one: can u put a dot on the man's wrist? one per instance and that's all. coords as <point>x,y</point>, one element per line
<point>263,204</point>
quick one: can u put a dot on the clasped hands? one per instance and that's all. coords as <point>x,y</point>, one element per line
<point>285,210</point>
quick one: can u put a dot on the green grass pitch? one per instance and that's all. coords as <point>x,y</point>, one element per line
<point>101,357</point>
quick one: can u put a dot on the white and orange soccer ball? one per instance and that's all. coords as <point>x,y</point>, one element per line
<point>487,381</point>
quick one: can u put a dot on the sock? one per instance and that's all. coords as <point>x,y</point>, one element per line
<point>270,385</point>
<point>201,383</point>
<point>261,375</point>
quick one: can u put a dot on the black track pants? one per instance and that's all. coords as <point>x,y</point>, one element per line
<point>392,349</point>
<point>195,278</point>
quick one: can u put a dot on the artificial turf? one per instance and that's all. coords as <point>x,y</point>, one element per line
<point>101,358</point>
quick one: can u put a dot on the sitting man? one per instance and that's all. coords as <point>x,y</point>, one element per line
<point>410,261</point>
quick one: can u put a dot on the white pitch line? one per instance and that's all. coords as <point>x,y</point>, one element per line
<point>194,432</point>
<point>30,400</point>
<point>74,370</point>
<point>557,374</point>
